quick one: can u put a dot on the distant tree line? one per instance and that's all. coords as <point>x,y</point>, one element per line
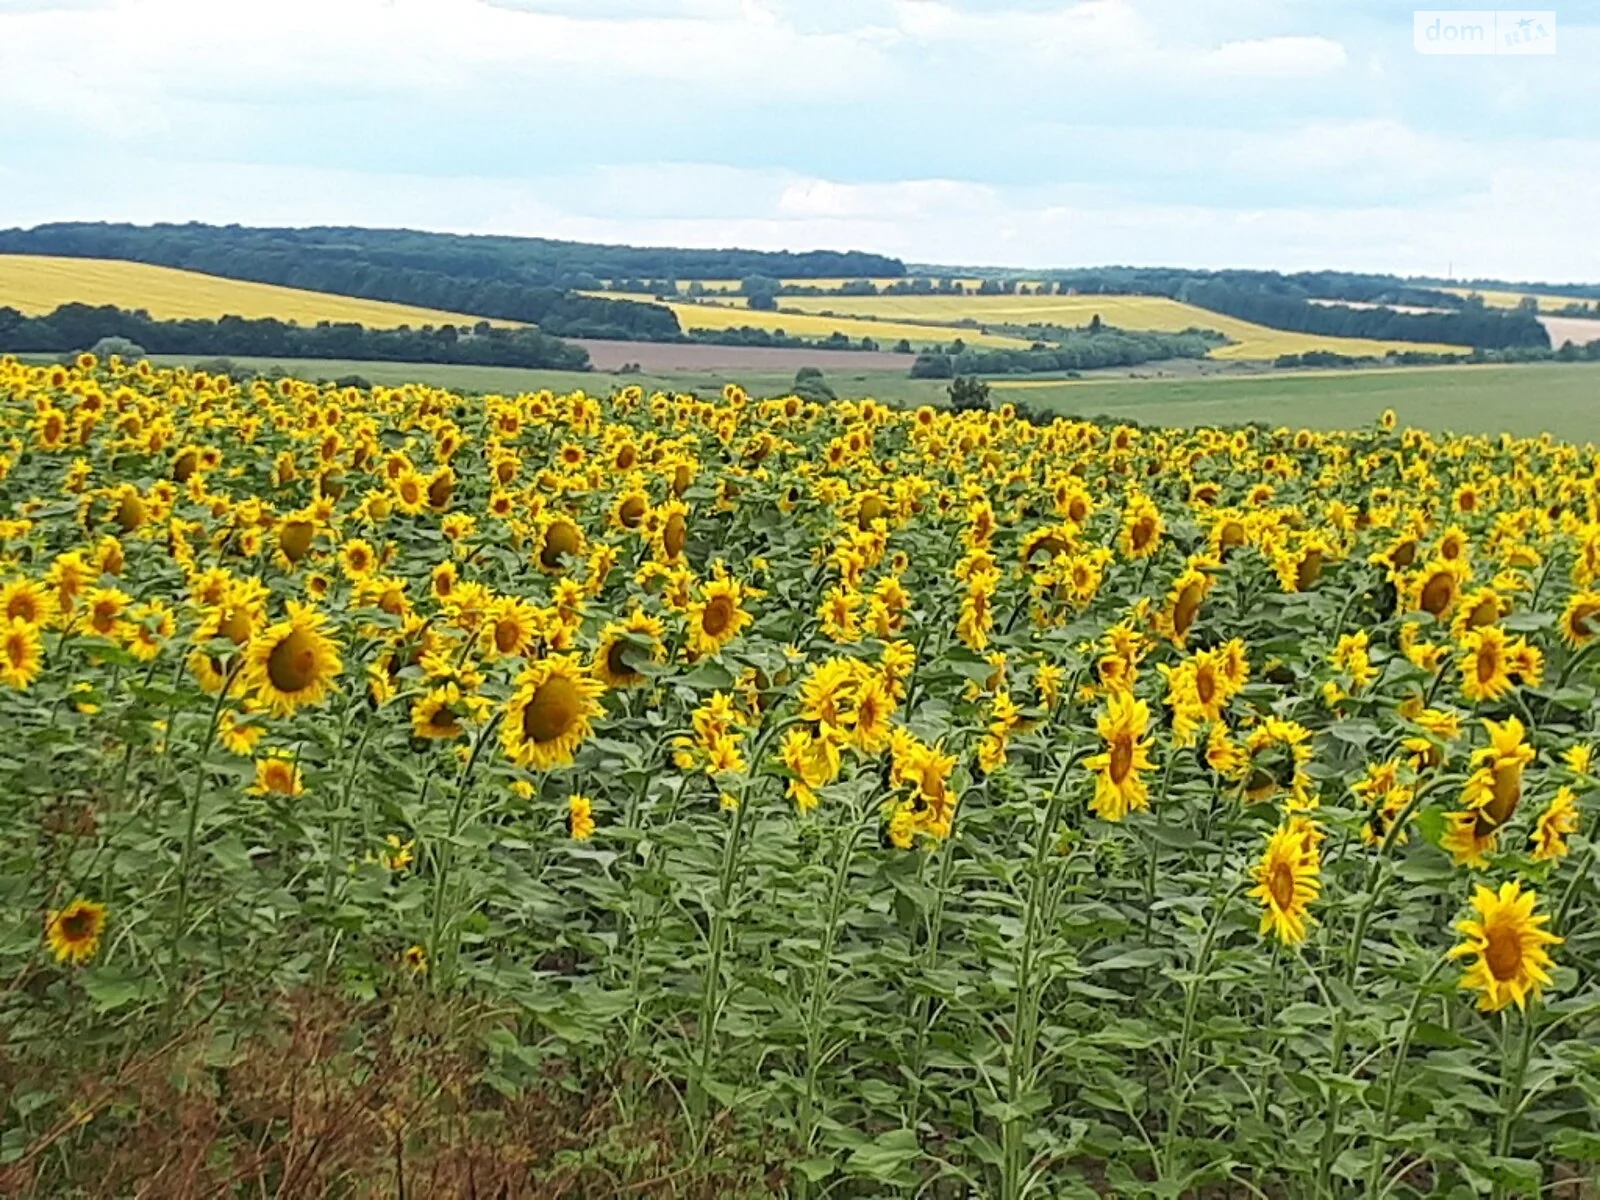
<point>1285,308</point>
<point>506,278</point>
<point>79,326</point>
<point>1568,351</point>
<point>1079,350</point>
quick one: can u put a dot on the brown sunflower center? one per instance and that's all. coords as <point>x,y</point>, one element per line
<point>439,491</point>
<point>1121,765</point>
<point>507,636</point>
<point>1280,882</point>
<point>616,664</point>
<point>16,650</point>
<point>26,606</point>
<point>674,535</point>
<point>1488,662</point>
<point>718,616</point>
<point>1503,952</point>
<point>1404,554</point>
<point>292,665</point>
<point>553,710</point>
<point>631,512</point>
<point>1205,684</point>
<point>77,925</point>
<point>1438,592</point>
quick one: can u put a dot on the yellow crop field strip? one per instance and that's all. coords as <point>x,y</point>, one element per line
<point>730,314</point>
<point>1250,341</point>
<point>36,284</point>
<point>1495,299</point>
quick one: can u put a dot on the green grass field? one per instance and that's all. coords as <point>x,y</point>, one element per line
<point>1562,399</point>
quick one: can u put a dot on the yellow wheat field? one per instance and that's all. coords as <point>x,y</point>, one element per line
<point>731,314</point>
<point>1512,299</point>
<point>1250,341</point>
<point>36,284</point>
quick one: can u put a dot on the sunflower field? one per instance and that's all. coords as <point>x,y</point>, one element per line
<point>791,798</point>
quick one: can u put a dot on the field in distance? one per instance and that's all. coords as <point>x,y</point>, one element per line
<point>35,284</point>
<point>1529,399</point>
<point>1250,341</point>
<point>1498,299</point>
<point>718,314</point>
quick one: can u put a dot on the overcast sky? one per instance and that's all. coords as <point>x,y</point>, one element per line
<point>1291,133</point>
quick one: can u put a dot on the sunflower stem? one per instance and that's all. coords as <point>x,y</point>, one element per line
<point>1191,1004</point>
<point>438,967</point>
<point>191,830</point>
<point>1511,1091</point>
<point>1391,1092</point>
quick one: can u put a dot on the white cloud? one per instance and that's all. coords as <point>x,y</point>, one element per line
<point>1279,57</point>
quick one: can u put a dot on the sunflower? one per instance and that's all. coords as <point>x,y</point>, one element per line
<point>931,808</point>
<point>1142,527</point>
<point>1484,664</point>
<point>416,960</point>
<point>1183,605</point>
<point>26,600</point>
<point>410,492</point>
<point>1582,609</point>
<point>357,558</point>
<point>1508,946</point>
<point>104,608</point>
<point>548,716</point>
<point>669,532</point>
<point>1556,823</point>
<point>1119,788</point>
<point>437,716</point>
<point>21,653</point>
<point>277,774</point>
<point>1434,588</point>
<point>73,933</point>
<point>1490,796</point>
<point>813,761</point>
<point>639,634</point>
<point>717,616</point>
<point>509,627</point>
<point>629,510</point>
<point>293,663</point>
<point>580,817</point>
<point>560,542</point>
<point>1288,879</point>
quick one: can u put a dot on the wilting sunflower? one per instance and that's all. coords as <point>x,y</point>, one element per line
<point>73,933</point>
<point>549,715</point>
<point>641,634</point>
<point>291,664</point>
<point>1288,879</point>
<point>1556,823</point>
<point>1507,944</point>
<point>717,616</point>
<point>1491,794</point>
<point>21,653</point>
<point>1119,788</point>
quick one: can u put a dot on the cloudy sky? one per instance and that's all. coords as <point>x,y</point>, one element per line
<point>1271,133</point>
